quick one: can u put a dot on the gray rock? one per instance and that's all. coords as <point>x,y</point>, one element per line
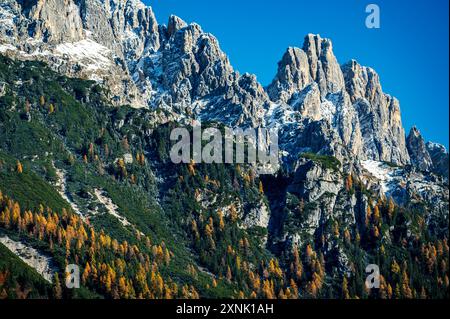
<point>2,88</point>
<point>439,157</point>
<point>379,115</point>
<point>418,151</point>
<point>175,24</point>
<point>258,216</point>
<point>315,104</point>
<point>292,76</point>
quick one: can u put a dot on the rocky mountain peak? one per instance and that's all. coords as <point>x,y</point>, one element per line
<point>315,62</point>
<point>175,23</point>
<point>361,82</point>
<point>324,68</point>
<point>98,40</point>
<point>292,76</point>
<point>418,151</point>
<point>379,114</point>
<point>181,68</point>
<point>436,147</point>
<point>350,98</point>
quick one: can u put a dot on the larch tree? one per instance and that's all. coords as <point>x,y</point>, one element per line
<point>19,167</point>
<point>42,100</point>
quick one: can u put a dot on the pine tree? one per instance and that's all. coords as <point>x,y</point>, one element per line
<point>294,288</point>
<point>233,213</point>
<point>86,273</point>
<point>191,168</point>
<point>376,215</point>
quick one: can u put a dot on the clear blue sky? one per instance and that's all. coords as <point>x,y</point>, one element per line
<point>410,51</point>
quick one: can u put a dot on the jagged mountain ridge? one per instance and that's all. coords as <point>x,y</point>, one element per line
<point>136,52</point>
<point>182,69</point>
<point>130,51</point>
<point>337,127</point>
<point>315,104</point>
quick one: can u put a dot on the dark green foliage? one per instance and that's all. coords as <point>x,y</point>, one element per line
<point>327,161</point>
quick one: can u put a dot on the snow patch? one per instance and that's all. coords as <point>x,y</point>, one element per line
<point>94,55</point>
<point>279,115</point>
<point>381,171</point>
<point>328,110</point>
<point>436,147</point>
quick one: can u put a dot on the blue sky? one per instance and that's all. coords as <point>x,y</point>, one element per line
<point>410,51</point>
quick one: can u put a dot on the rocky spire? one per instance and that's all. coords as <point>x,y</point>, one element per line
<point>175,23</point>
<point>310,80</point>
<point>418,151</point>
<point>300,67</point>
<point>324,68</point>
<point>379,115</point>
<point>292,76</point>
<point>198,77</point>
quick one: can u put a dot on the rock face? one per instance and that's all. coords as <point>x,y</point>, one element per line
<point>439,157</point>
<point>315,183</point>
<point>418,151</point>
<point>43,264</point>
<point>316,105</point>
<point>119,43</point>
<point>350,98</point>
<point>97,40</point>
<point>196,78</point>
<point>313,180</point>
<point>299,67</point>
<point>379,115</point>
<point>323,65</point>
<point>48,24</point>
<point>181,69</point>
<point>293,75</point>
<point>258,216</point>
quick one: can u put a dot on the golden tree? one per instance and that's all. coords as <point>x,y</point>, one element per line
<point>19,167</point>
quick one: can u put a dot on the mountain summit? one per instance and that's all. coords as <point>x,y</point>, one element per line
<point>181,69</point>
<point>90,91</point>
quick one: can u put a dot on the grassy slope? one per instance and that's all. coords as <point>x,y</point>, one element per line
<point>48,138</point>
